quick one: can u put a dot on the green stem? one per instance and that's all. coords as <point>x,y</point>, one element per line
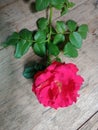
<point>50,15</point>
<point>48,60</point>
<point>50,23</point>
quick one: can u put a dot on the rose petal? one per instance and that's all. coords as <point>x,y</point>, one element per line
<point>58,85</point>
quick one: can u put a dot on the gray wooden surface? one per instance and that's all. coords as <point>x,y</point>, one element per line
<point>19,108</point>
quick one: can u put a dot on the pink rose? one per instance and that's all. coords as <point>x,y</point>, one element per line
<point>57,85</point>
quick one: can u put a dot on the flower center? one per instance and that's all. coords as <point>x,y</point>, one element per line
<point>59,85</point>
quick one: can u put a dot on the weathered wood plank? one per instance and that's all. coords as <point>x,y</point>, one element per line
<point>19,108</point>
<point>17,16</point>
<point>5,3</point>
<point>91,124</point>
<point>14,19</point>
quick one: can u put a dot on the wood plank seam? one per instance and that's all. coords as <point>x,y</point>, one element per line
<point>87,120</point>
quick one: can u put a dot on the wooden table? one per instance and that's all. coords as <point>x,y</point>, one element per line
<point>19,108</point>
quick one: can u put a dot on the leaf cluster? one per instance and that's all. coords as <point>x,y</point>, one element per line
<point>49,40</point>
<point>21,41</point>
<point>62,5</point>
<point>66,37</point>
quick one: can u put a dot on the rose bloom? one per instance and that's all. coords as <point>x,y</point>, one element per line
<point>57,85</point>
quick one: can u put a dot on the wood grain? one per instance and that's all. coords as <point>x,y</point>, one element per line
<point>91,123</point>
<point>19,108</point>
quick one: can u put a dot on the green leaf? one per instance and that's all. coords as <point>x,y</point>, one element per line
<point>53,49</point>
<point>40,36</point>
<point>42,4</point>
<point>66,6</point>
<point>70,4</point>
<point>58,4</point>
<point>32,69</point>
<point>75,39</point>
<point>11,40</point>
<point>64,11</point>
<point>83,29</point>
<point>29,72</point>
<point>24,43</point>
<point>22,47</point>
<point>40,49</point>
<point>72,25</point>
<point>60,27</point>
<point>42,23</point>
<point>25,34</point>
<point>54,2</point>
<point>70,50</point>
<point>58,38</point>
